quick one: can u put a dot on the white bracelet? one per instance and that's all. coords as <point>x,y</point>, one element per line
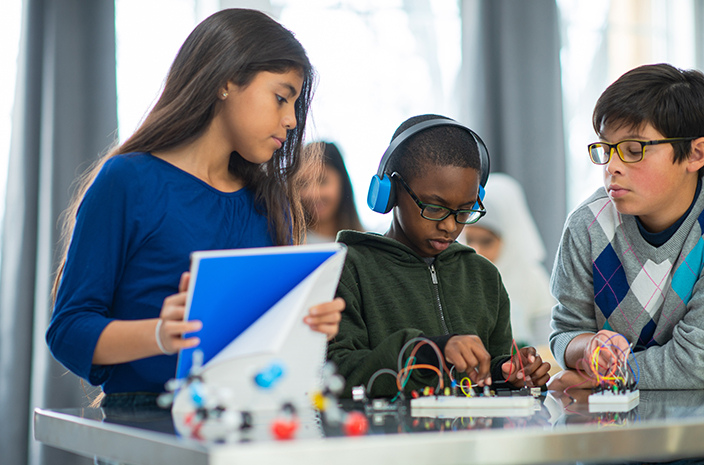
<point>158,339</point>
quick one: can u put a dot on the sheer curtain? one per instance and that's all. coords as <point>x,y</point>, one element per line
<point>64,116</point>
<point>511,87</point>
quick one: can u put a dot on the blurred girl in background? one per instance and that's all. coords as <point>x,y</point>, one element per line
<point>329,202</point>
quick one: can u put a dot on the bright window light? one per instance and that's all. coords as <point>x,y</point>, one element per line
<point>378,64</point>
<point>10,23</point>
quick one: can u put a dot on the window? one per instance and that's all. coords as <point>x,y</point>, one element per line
<point>10,22</point>
<point>148,35</point>
<point>378,63</point>
<point>603,39</point>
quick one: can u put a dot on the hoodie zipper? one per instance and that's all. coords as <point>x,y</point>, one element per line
<point>434,278</point>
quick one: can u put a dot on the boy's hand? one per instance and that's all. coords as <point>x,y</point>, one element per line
<point>173,326</point>
<point>536,371</point>
<point>569,379</point>
<point>613,350</point>
<point>469,356</point>
<point>325,318</point>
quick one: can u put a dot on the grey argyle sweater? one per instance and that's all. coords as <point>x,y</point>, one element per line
<point>606,276</point>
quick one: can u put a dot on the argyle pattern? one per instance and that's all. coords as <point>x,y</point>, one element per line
<point>636,286</point>
<point>607,276</point>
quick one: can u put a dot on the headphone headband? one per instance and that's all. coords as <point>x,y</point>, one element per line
<point>381,196</point>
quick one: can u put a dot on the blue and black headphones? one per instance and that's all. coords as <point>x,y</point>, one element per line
<point>382,190</point>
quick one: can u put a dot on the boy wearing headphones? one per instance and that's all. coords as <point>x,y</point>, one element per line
<point>415,280</point>
<point>629,266</point>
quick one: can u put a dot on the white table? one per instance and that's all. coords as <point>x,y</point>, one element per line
<point>667,425</point>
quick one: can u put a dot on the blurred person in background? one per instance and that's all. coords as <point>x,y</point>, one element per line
<point>508,237</point>
<point>329,200</point>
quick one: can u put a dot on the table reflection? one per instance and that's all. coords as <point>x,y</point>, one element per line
<point>554,410</point>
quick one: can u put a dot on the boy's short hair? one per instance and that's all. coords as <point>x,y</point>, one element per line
<point>439,146</point>
<point>668,98</point>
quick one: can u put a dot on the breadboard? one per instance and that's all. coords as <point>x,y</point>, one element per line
<point>607,401</point>
<point>491,406</point>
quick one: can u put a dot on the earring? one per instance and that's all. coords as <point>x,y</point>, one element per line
<point>224,95</point>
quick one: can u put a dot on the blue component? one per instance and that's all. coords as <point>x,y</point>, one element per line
<point>196,392</point>
<point>453,384</point>
<point>269,376</point>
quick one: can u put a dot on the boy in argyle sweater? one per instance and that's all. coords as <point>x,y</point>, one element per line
<point>631,256</point>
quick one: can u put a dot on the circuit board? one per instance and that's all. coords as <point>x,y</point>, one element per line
<point>608,401</point>
<point>486,406</point>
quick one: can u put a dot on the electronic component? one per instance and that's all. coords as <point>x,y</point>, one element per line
<point>285,426</point>
<point>356,424</point>
<point>359,394</point>
<point>444,401</point>
<point>270,375</point>
<point>610,401</point>
<point>382,405</point>
<point>486,406</point>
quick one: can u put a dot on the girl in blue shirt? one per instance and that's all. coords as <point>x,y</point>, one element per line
<point>215,165</point>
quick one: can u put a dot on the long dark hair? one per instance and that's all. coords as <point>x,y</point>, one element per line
<point>346,216</point>
<point>231,45</point>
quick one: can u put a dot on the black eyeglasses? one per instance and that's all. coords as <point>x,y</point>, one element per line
<point>438,212</point>
<point>629,150</point>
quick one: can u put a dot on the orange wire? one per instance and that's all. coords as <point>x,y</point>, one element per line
<point>431,343</point>
<point>408,368</point>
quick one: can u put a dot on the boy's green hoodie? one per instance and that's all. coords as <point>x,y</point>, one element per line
<point>393,295</point>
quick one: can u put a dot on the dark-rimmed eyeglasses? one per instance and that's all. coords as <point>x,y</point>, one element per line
<point>629,150</point>
<point>438,212</point>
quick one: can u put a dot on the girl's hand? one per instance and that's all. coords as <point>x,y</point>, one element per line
<point>469,356</point>
<point>173,326</point>
<point>325,318</point>
<point>536,371</point>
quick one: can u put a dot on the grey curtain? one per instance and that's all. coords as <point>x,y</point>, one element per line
<point>65,114</point>
<point>512,95</point>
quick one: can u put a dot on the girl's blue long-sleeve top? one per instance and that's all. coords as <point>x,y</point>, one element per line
<point>135,229</point>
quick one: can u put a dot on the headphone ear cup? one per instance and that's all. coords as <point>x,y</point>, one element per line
<point>382,194</point>
<point>482,193</point>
